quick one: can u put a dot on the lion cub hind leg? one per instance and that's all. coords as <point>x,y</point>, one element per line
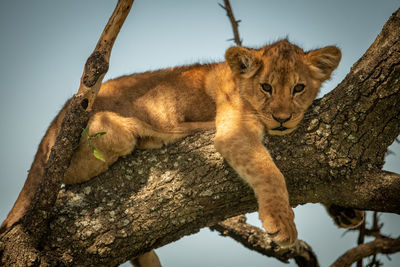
<point>148,259</point>
<point>345,217</point>
<point>120,139</point>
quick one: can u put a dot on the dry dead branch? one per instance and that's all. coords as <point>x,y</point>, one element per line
<point>235,23</point>
<point>21,243</point>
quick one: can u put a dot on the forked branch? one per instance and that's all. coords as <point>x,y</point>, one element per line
<point>34,226</point>
<point>76,119</point>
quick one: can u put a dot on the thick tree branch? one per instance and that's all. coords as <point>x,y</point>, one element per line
<point>75,119</point>
<point>379,245</point>
<point>255,239</point>
<point>26,236</point>
<point>234,22</point>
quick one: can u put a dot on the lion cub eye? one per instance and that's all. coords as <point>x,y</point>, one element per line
<point>267,88</point>
<point>298,88</point>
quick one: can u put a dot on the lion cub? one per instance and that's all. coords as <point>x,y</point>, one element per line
<point>253,92</point>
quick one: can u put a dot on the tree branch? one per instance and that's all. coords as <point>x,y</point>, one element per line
<point>34,224</point>
<point>234,22</point>
<point>75,120</point>
<point>97,64</point>
<point>372,249</point>
<point>361,239</point>
<point>255,239</point>
<point>379,245</point>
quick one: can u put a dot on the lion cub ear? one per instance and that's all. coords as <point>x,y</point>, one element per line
<point>242,61</point>
<point>323,61</point>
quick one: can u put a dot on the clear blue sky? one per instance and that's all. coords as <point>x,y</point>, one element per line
<point>44,45</point>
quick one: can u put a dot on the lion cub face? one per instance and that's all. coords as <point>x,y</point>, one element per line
<point>280,81</point>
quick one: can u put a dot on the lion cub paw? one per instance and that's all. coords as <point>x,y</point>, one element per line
<point>346,217</point>
<point>281,229</point>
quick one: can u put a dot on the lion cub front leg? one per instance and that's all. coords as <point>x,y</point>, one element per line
<point>251,160</point>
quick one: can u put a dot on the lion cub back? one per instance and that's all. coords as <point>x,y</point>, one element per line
<point>163,98</point>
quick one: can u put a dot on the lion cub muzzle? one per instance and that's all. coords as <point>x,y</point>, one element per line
<point>281,120</point>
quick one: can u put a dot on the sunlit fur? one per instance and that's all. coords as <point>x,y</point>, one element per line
<point>283,65</point>
<point>154,108</point>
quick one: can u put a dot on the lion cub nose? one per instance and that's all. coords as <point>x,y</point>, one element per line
<point>282,119</point>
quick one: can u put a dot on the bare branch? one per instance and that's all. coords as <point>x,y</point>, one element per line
<point>35,223</point>
<point>379,245</point>
<point>374,230</point>
<point>360,252</point>
<point>222,6</point>
<point>97,64</point>
<point>360,240</point>
<point>235,23</point>
<point>255,239</point>
<point>76,117</point>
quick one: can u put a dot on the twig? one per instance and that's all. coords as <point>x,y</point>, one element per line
<point>255,239</point>
<point>379,245</point>
<point>234,22</point>
<point>361,238</point>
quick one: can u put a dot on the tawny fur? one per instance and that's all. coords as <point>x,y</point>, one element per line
<point>151,109</point>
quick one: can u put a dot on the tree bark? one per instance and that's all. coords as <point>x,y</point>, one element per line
<point>21,245</point>
<point>153,197</point>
